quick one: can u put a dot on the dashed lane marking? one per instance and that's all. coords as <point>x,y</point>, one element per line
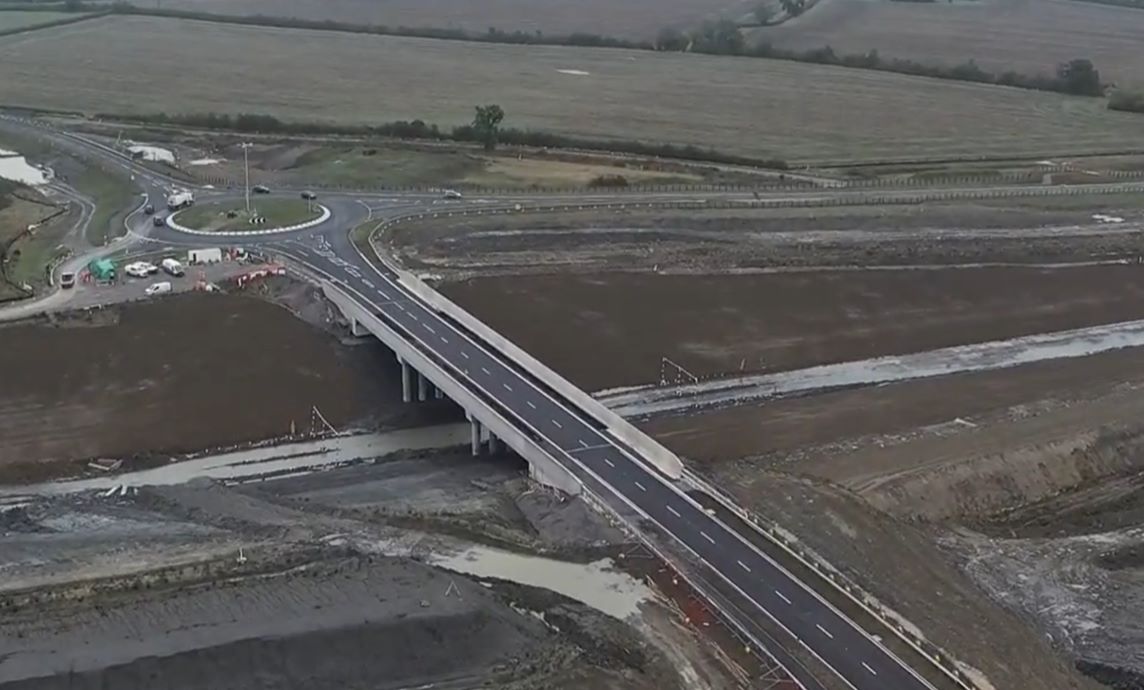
<point>824,631</point>
<point>744,566</point>
<point>673,511</point>
<point>641,487</point>
<point>867,667</point>
<point>557,424</point>
<point>487,372</point>
<point>707,537</point>
<point>531,404</point>
<point>464,354</point>
<point>507,387</point>
<point>429,328</point>
<point>782,596</point>
<point>609,463</point>
<point>443,339</point>
<point>584,443</point>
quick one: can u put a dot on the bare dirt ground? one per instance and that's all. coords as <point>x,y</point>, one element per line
<point>153,380</point>
<point>1028,36</point>
<point>975,482</point>
<point>333,580</point>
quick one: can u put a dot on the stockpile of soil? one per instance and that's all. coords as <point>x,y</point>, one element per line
<point>180,374</point>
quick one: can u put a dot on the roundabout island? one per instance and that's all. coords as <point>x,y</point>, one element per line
<point>231,217</point>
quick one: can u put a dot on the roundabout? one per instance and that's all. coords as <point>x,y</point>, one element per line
<point>231,219</point>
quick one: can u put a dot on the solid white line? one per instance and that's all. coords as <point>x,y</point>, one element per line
<point>487,372</point>
<point>824,631</point>
<point>744,566</point>
<point>531,404</point>
<point>558,424</point>
<point>782,596</point>
<point>641,487</point>
<point>673,511</point>
<point>707,536</point>
<point>609,463</point>
<point>867,667</point>
<point>464,354</point>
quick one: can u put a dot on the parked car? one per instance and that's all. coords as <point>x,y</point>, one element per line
<point>149,209</point>
<point>452,194</point>
<point>151,268</point>
<point>157,288</point>
<point>309,196</point>
<point>136,270</point>
<point>260,189</point>
<point>67,280</point>
<point>159,221</point>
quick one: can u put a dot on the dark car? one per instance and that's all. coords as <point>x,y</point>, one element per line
<point>148,209</point>
<point>260,189</point>
<point>159,221</point>
<point>309,196</point>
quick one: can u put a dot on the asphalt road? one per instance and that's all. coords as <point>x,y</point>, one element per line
<point>582,444</point>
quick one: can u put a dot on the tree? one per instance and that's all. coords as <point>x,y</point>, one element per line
<point>764,13</point>
<point>486,123</point>
<point>793,7</point>
<point>721,38</point>
<point>1080,77</point>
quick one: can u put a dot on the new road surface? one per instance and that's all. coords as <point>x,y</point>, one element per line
<point>576,440</point>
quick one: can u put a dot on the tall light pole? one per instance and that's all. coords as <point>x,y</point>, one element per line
<point>246,168</point>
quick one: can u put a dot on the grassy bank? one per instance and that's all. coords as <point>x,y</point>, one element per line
<point>277,213</point>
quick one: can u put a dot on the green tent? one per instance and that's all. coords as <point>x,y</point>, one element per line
<point>102,269</point>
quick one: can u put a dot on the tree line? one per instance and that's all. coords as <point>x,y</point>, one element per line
<point>485,129</point>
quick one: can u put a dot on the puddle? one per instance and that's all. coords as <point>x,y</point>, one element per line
<point>16,168</point>
<point>152,153</point>
<point>290,458</point>
<point>597,584</point>
<point>206,161</point>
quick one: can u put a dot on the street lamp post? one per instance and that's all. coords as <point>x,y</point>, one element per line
<point>246,170</point>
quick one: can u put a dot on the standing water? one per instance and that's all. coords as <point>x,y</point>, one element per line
<point>14,167</point>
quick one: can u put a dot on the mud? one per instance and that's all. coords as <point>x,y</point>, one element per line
<point>154,380</point>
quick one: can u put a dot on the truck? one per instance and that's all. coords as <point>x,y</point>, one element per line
<point>178,200</point>
<point>172,267</point>
<point>212,255</point>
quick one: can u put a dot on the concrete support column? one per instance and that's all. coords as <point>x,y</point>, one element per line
<point>422,387</point>
<point>494,445</point>
<point>406,381</point>
<point>475,426</point>
<point>438,393</point>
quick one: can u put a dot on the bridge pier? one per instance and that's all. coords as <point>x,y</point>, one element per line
<point>356,330</point>
<point>475,439</point>
<point>494,445</point>
<point>422,387</point>
<point>438,393</point>
<point>406,381</point>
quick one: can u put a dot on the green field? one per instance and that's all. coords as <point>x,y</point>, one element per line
<point>112,195</point>
<point>763,108</point>
<point>277,212</point>
<point>17,19</point>
<point>27,257</point>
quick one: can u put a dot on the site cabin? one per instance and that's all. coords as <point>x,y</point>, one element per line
<point>204,256</point>
<point>180,200</point>
<point>102,270</point>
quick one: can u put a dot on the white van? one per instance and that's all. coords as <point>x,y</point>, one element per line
<point>157,289</point>
<point>172,267</point>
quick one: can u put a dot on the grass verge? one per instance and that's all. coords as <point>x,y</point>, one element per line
<point>277,212</point>
<point>112,195</point>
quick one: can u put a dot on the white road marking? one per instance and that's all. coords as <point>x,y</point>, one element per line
<point>824,631</point>
<point>443,339</point>
<point>744,566</point>
<point>399,305</point>
<point>464,354</point>
<point>558,424</point>
<point>531,404</point>
<point>609,463</point>
<point>487,372</point>
<point>428,328</point>
<point>707,537</point>
<point>507,387</point>
<point>782,596</point>
<point>583,443</point>
<point>413,316</point>
<point>641,487</point>
<point>673,511</point>
<point>368,284</point>
<point>384,295</point>
<point>867,667</point>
